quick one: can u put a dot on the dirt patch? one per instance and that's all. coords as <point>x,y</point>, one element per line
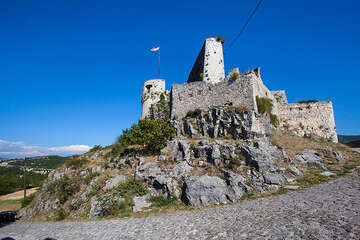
<point>18,195</point>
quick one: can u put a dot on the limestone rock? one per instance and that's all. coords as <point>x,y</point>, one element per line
<point>309,158</point>
<point>167,185</point>
<point>203,152</point>
<point>147,171</point>
<point>236,185</point>
<point>262,154</point>
<point>327,174</point>
<point>97,210</point>
<point>140,203</point>
<point>113,182</point>
<point>176,150</point>
<point>295,171</point>
<point>331,153</point>
<point>204,190</point>
<point>272,178</point>
<point>221,121</point>
<point>181,169</point>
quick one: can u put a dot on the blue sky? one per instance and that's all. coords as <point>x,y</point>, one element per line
<point>71,72</point>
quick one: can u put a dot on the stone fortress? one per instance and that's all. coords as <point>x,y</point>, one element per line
<point>207,87</point>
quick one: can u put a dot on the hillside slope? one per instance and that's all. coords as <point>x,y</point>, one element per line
<point>219,156</point>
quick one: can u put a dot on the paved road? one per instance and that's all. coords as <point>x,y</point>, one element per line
<point>327,211</point>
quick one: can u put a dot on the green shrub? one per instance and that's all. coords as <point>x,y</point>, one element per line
<point>274,119</point>
<point>308,101</point>
<point>161,201</point>
<point>235,75</point>
<point>193,114</point>
<point>264,105</point>
<point>153,134</point>
<point>89,177</point>
<point>124,208</point>
<point>66,187</point>
<point>75,162</point>
<point>26,201</point>
<point>94,189</point>
<point>95,148</point>
<point>60,215</point>
<point>220,39</point>
<point>116,151</point>
<point>75,206</point>
<point>131,188</point>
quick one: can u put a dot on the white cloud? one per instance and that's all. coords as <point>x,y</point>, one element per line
<point>19,149</point>
<point>71,148</point>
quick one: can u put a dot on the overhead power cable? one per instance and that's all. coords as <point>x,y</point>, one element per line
<point>238,35</point>
<point>246,23</point>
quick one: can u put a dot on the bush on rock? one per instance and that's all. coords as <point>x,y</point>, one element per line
<point>153,134</point>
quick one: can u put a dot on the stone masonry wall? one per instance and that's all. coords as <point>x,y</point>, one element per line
<point>209,65</point>
<point>309,119</point>
<point>262,91</point>
<point>200,95</point>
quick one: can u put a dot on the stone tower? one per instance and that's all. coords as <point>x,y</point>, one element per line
<point>209,65</point>
<point>152,89</point>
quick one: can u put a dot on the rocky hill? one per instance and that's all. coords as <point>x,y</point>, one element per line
<point>219,156</point>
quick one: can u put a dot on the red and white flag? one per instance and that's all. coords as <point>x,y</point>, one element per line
<point>155,49</point>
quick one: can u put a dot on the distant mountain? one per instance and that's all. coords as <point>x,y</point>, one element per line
<point>354,144</point>
<point>48,162</point>
<point>1,159</point>
<point>348,138</point>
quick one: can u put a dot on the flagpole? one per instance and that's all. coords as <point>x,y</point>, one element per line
<point>159,63</point>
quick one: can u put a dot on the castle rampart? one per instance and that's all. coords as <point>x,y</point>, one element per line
<point>200,95</point>
<point>313,118</point>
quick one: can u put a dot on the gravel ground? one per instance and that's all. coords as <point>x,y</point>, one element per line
<point>327,211</point>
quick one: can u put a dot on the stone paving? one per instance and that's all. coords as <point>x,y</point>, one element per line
<point>327,211</point>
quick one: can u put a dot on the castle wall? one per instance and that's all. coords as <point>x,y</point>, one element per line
<point>262,91</point>
<point>209,65</point>
<point>280,96</point>
<point>309,118</point>
<point>200,95</point>
<point>152,89</point>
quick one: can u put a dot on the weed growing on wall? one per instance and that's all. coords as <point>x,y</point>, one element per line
<point>265,107</point>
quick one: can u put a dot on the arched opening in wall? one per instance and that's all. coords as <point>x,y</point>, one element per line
<point>148,87</point>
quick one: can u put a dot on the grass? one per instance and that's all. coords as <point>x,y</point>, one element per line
<point>10,205</point>
<point>247,195</point>
<point>26,201</point>
<point>238,109</point>
<point>60,215</point>
<point>130,188</point>
<point>161,201</point>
